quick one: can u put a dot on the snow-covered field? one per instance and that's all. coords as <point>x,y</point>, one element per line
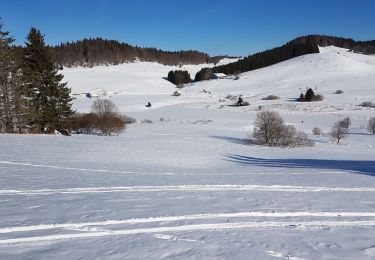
<point>190,186</point>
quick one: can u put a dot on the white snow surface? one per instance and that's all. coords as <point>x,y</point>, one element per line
<point>191,186</point>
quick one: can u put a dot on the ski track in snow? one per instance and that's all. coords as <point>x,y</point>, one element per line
<point>268,214</point>
<point>186,228</point>
<point>159,173</point>
<point>185,188</point>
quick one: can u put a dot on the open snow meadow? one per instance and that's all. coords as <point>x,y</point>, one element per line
<point>191,185</point>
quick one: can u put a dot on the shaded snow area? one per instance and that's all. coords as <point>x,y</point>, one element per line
<point>191,186</point>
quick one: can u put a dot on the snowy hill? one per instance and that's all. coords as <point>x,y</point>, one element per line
<point>190,185</point>
<point>131,85</point>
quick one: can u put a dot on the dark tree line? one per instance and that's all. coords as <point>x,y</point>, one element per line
<point>98,51</point>
<point>32,96</point>
<point>365,47</point>
<point>297,47</point>
<point>267,58</point>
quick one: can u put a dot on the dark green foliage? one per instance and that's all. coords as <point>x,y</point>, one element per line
<point>309,96</point>
<point>48,105</point>
<point>98,51</point>
<point>179,77</point>
<point>365,47</point>
<point>10,95</point>
<point>204,74</point>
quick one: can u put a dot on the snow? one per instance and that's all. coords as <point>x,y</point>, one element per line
<point>191,186</point>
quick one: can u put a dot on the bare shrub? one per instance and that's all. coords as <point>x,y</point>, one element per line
<point>271,97</point>
<point>301,139</point>
<point>268,125</point>
<point>270,130</point>
<point>339,91</point>
<point>367,104</point>
<point>345,123</point>
<point>316,131</point>
<point>371,125</point>
<point>337,132</point>
<point>85,123</point>
<point>129,120</point>
<point>109,119</point>
<point>147,121</point>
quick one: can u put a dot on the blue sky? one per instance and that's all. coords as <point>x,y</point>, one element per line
<point>234,27</point>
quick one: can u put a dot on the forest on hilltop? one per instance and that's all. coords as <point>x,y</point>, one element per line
<point>98,51</point>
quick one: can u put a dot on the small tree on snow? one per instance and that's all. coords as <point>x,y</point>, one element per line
<point>338,132</point>
<point>345,123</point>
<point>371,125</point>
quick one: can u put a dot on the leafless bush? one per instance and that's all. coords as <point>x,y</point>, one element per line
<point>338,132</point>
<point>270,130</point>
<point>109,120</point>
<point>129,120</point>
<point>271,97</point>
<point>339,91</point>
<point>367,104</point>
<point>371,125</point>
<point>345,123</point>
<point>301,139</point>
<point>316,131</point>
<point>147,121</point>
<point>86,123</point>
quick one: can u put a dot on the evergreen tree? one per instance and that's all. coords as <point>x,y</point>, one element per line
<point>310,95</point>
<point>48,100</point>
<point>9,92</point>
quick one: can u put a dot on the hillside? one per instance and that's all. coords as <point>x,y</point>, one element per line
<point>330,70</point>
<point>297,47</point>
<point>95,52</point>
<point>191,184</point>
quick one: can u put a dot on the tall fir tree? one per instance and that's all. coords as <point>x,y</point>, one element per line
<point>48,103</point>
<point>9,88</point>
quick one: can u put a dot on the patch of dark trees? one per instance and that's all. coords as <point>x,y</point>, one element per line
<point>267,58</point>
<point>364,47</point>
<point>297,47</point>
<point>179,77</point>
<point>98,51</point>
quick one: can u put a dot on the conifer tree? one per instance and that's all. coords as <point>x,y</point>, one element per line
<point>9,92</point>
<point>48,99</point>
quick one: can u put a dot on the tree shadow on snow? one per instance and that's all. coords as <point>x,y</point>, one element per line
<point>362,167</point>
<point>234,140</point>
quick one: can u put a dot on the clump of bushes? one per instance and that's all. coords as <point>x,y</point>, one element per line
<point>176,94</point>
<point>204,74</point>
<point>338,92</point>
<point>241,103</point>
<point>367,104</point>
<point>338,132</point>
<point>103,119</point>
<point>147,121</point>
<point>316,131</point>
<point>271,130</point>
<point>371,125</point>
<point>345,123</point>
<point>310,96</point>
<point>179,77</point>
<point>271,97</point>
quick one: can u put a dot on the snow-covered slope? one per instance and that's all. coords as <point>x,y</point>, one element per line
<point>190,186</point>
<point>132,85</point>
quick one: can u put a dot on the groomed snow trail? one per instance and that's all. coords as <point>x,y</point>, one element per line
<point>270,214</point>
<point>196,227</point>
<point>185,188</point>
